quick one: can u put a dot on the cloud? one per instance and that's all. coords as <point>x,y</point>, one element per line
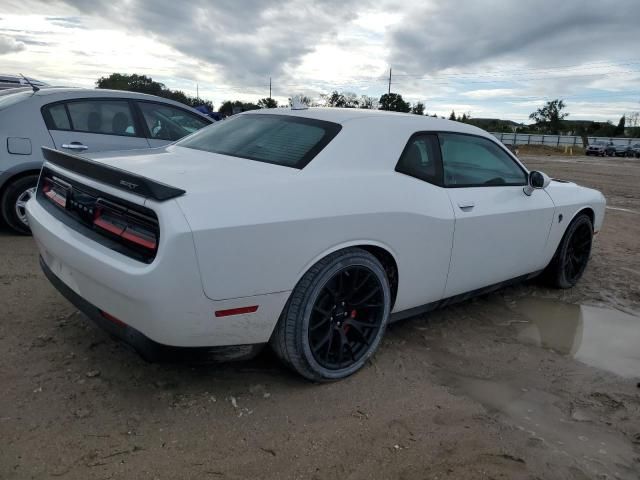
<point>436,36</point>
<point>10,45</point>
<point>246,41</point>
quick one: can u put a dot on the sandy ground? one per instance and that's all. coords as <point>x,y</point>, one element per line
<point>516,384</point>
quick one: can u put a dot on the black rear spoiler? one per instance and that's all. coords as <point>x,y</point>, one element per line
<point>117,178</point>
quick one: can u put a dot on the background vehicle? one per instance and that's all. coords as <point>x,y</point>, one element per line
<point>81,121</point>
<point>307,229</point>
<point>17,81</point>
<point>600,148</point>
<point>635,150</point>
<point>623,151</point>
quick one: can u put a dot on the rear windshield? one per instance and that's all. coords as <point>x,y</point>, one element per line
<point>281,139</point>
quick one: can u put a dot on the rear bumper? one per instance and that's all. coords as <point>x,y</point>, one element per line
<point>162,301</point>
<point>147,348</point>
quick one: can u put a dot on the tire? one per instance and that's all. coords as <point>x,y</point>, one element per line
<point>571,257</point>
<point>315,314</point>
<point>13,200</point>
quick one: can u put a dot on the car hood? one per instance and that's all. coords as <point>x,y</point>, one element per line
<point>194,171</point>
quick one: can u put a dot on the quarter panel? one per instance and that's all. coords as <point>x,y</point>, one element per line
<point>268,240</point>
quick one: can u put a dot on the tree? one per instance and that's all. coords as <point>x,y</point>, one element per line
<point>549,117</point>
<point>394,102</point>
<point>465,118</point>
<point>231,107</point>
<point>131,83</point>
<point>452,116</point>
<point>418,108</point>
<point>144,84</point>
<point>370,103</point>
<point>341,100</point>
<point>267,102</point>
<point>303,99</point>
<point>619,131</point>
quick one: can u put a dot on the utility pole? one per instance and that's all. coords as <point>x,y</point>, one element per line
<point>197,92</point>
<point>269,88</point>
<point>389,82</point>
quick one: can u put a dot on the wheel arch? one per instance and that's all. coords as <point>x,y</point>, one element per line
<point>587,211</point>
<point>383,253</point>
<point>17,176</point>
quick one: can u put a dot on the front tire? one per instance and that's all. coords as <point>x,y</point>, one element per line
<point>571,257</point>
<point>336,316</point>
<point>14,200</point>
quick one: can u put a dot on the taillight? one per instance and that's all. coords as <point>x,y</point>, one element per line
<point>125,224</point>
<point>55,192</point>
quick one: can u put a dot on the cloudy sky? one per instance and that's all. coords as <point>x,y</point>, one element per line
<point>489,58</point>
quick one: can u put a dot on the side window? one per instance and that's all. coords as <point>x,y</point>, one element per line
<point>112,117</point>
<point>56,117</point>
<point>421,159</point>
<point>169,123</point>
<point>475,161</point>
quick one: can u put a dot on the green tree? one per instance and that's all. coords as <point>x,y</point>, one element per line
<point>394,102</point>
<point>144,84</point>
<point>370,103</point>
<point>452,116</point>
<point>267,102</point>
<point>230,107</point>
<point>341,100</point>
<point>465,118</point>
<point>549,117</point>
<point>418,108</point>
<point>619,131</point>
<point>131,83</point>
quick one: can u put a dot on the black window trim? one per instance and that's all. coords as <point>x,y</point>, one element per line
<point>441,184</point>
<point>44,110</point>
<point>331,129</point>
<point>145,128</point>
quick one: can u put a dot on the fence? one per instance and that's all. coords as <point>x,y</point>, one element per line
<point>557,140</point>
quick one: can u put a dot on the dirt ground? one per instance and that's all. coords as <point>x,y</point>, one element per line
<point>519,384</point>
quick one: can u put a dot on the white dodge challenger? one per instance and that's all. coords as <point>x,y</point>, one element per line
<point>308,230</point>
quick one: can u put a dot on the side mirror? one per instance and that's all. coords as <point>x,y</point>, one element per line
<point>536,180</point>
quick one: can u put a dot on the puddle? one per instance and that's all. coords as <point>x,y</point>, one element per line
<point>603,338</point>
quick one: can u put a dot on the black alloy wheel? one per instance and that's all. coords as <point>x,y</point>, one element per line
<point>578,251</point>
<point>346,317</point>
<point>572,255</point>
<point>335,317</point>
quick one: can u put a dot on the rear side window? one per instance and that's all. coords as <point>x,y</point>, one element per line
<point>109,117</point>
<point>58,118</point>
<point>280,139</point>
<point>471,161</point>
<point>169,123</point>
<point>421,159</point>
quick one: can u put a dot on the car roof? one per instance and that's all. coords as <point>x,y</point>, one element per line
<point>71,93</point>
<point>347,115</point>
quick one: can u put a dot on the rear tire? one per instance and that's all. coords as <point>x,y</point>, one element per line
<point>14,200</point>
<point>335,318</point>
<point>571,257</point>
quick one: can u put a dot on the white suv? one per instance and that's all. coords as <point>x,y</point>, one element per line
<point>77,121</point>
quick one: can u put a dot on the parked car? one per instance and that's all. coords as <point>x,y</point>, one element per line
<point>307,229</point>
<point>18,81</point>
<point>623,151</point>
<point>77,120</point>
<point>635,150</point>
<point>600,148</point>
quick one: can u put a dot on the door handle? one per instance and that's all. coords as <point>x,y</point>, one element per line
<point>465,206</point>
<point>75,146</point>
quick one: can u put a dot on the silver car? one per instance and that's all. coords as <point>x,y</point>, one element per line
<point>77,121</point>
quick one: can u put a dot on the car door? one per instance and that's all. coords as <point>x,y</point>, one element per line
<point>93,125</point>
<point>500,232</point>
<point>165,123</point>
